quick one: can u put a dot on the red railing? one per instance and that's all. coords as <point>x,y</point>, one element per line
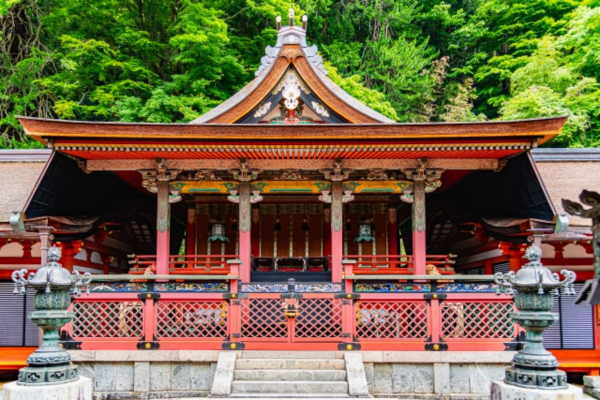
<point>173,320</point>
<point>398,264</point>
<point>185,264</point>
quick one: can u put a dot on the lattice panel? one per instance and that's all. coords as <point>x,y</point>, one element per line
<point>319,318</point>
<point>195,319</point>
<point>108,319</point>
<point>263,318</point>
<point>477,320</point>
<point>391,320</point>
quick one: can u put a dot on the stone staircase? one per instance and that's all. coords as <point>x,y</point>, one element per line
<point>287,375</point>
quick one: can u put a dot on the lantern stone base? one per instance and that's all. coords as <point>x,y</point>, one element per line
<point>591,386</point>
<point>81,389</point>
<point>504,391</point>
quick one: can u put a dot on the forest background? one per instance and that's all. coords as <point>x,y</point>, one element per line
<point>412,60</point>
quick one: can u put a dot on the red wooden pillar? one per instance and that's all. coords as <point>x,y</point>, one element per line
<point>337,234</point>
<point>488,267</point>
<point>163,225</point>
<point>418,225</point>
<point>514,252</point>
<point>392,232</point>
<point>255,235</point>
<point>245,235</point>
<point>69,250</point>
<point>326,232</point>
<point>190,235</point>
<point>234,314</point>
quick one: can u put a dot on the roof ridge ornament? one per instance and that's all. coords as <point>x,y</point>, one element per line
<point>291,34</point>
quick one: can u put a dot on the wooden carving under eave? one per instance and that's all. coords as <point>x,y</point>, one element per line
<point>291,55</point>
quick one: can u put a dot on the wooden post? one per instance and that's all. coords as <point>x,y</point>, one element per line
<point>190,236</point>
<point>392,231</point>
<point>488,267</point>
<point>44,239</point>
<point>163,228</point>
<point>514,253</point>
<point>418,225</point>
<point>234,314</point>
<point>245,236</point>
<point>337,234</point>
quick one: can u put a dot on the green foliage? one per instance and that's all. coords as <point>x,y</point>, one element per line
<point>355,88</point>
<point>560,78</point>
<point>429,60</point>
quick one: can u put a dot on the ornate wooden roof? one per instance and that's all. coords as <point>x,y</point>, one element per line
<point>293,111</point>
<point>292,57</point>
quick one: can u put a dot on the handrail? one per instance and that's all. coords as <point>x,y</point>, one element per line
<point>421,277</point>
<point>137,278</point>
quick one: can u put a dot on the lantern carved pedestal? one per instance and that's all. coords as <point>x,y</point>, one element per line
<point>534,368</point>
<point>50,364</point>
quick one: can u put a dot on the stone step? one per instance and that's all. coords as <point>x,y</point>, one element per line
<point>289,375</point>
<point>292,355</point>
<point>283,396</point>
<point>289,364</point>
<point>293,388</point>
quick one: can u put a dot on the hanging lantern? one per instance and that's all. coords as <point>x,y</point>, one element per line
<point>218,232</point>
<point>305,219</point>
<point>277,221</point>
<point>364,231</point>
<point>305,224</point>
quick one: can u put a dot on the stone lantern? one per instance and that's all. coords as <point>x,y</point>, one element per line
<point>534,367</point>
<point>50,364</point>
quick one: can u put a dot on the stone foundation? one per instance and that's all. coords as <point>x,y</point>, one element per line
<point>404,375</point>
<point>504,391</point>
<point>81,389</point>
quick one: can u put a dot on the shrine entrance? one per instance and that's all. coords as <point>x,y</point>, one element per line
<point>270,318</point>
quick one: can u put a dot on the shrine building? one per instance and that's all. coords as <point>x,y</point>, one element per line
<point>294,218</point>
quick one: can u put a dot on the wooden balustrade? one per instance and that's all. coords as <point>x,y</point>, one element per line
<point>398,264</point>
<point>186,264</point>
<point>470,317</point>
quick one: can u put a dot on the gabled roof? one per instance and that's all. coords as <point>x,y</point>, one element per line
<point>566,173</point>
<point>291,51</point>
<point>19,173</point>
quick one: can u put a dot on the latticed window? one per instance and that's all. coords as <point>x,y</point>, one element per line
<point>207,319</point>
<point>471,320</point>
<point>108,319</point>
<point>263,318</point>
<point>319,318</point>
<point>391,320</point>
